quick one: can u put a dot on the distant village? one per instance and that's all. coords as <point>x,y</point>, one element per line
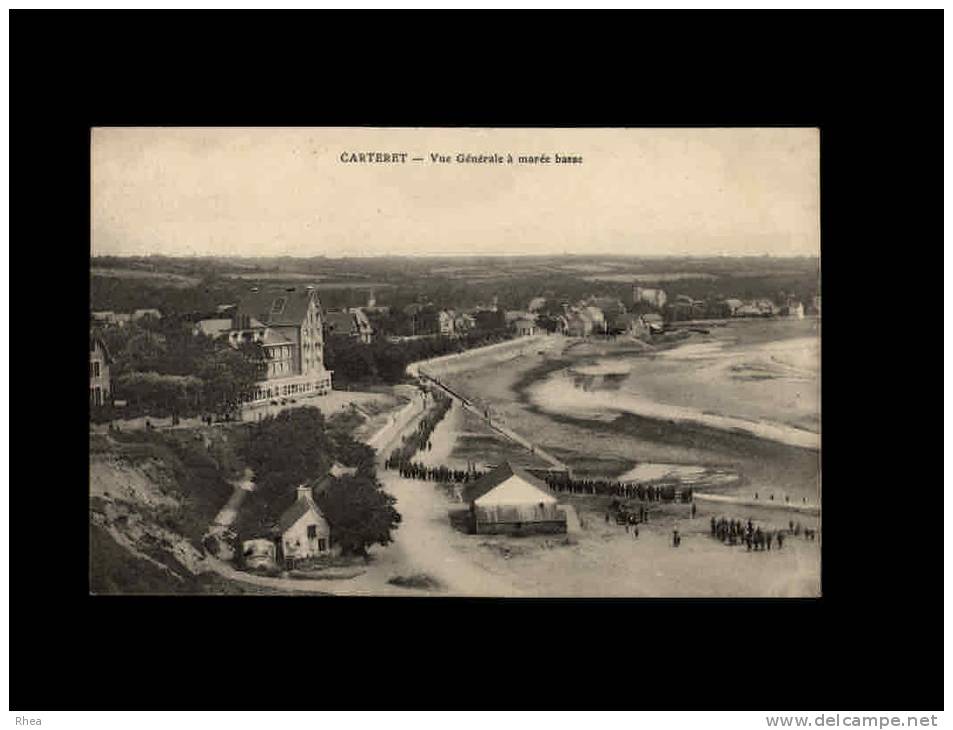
<point>291,327</point>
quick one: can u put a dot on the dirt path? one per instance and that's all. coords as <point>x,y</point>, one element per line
<point>443,439</point>
<point>229,512</point>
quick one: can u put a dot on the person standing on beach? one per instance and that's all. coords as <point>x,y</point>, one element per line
<point>780,539</point>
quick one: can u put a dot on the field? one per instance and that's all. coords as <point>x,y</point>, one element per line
<point>165,278</point>
<point>660,277</point>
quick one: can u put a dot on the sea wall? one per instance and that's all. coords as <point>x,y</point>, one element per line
<point>485,356</point>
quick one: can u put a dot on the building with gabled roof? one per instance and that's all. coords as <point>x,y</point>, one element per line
<point>288,324</point>
<point>509,500</point>
<point>302,531</point>
<point>212,327</point>
<point>99,381</point>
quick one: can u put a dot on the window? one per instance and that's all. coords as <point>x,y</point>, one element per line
<point>313,532</point>
<point>96,369</point>
<point>322,545</point>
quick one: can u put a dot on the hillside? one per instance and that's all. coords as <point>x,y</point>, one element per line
<point>151,499</point>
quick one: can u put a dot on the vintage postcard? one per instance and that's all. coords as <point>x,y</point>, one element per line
<point>455,362</point>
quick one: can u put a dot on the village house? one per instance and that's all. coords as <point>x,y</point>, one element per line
<point>581,322</point>
<point>445,321</point>
<point>509,500</point>
<point>512,315</point>
<point>464,322</point>
<point>288,324</point>
<point>623,323</point>
<point>351,323</point>
<point>653,297</point>
<point>212,327</point>
<point>525,327</point>
<point>99,359</point>
<point>731,306</point>
<point>648,324</point>
<point>302,531</point>
<point>108,317</point>
<point>423,319</point>
<point>609,306</point>
<point>794,309</point>
<point>536,304</point>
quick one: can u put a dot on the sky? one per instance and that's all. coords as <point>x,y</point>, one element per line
<point>281,191</point>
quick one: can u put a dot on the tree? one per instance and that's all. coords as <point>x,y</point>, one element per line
<point>230,375</point>
<point>360,513</point>
<point>289,449</point>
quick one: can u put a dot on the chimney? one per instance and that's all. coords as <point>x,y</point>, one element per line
<point>304,492</point>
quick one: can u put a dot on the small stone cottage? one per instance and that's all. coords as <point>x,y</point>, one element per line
<point>302,531</point>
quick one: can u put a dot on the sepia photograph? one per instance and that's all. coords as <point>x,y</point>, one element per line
<point>455,362</point>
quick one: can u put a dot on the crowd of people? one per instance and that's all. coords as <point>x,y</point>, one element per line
<point>753,537</point>
<point>737,532</point>
<point>419,440</point>
<point>416,470</point>
<point>624,490</point>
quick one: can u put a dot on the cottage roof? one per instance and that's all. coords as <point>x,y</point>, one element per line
<point>294,513</point>
<point>276,308</point>
<point>213,327</point>
<point>490,481</point>
<point>653,318</point>
<point>340,322</point>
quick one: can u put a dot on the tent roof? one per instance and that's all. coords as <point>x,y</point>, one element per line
<point>490,481</point>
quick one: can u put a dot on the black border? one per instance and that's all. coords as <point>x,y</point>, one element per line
<point>871,81</point>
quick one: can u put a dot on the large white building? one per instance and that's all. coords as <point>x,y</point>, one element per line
<point>654,297</point>
<point>288,324</point>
